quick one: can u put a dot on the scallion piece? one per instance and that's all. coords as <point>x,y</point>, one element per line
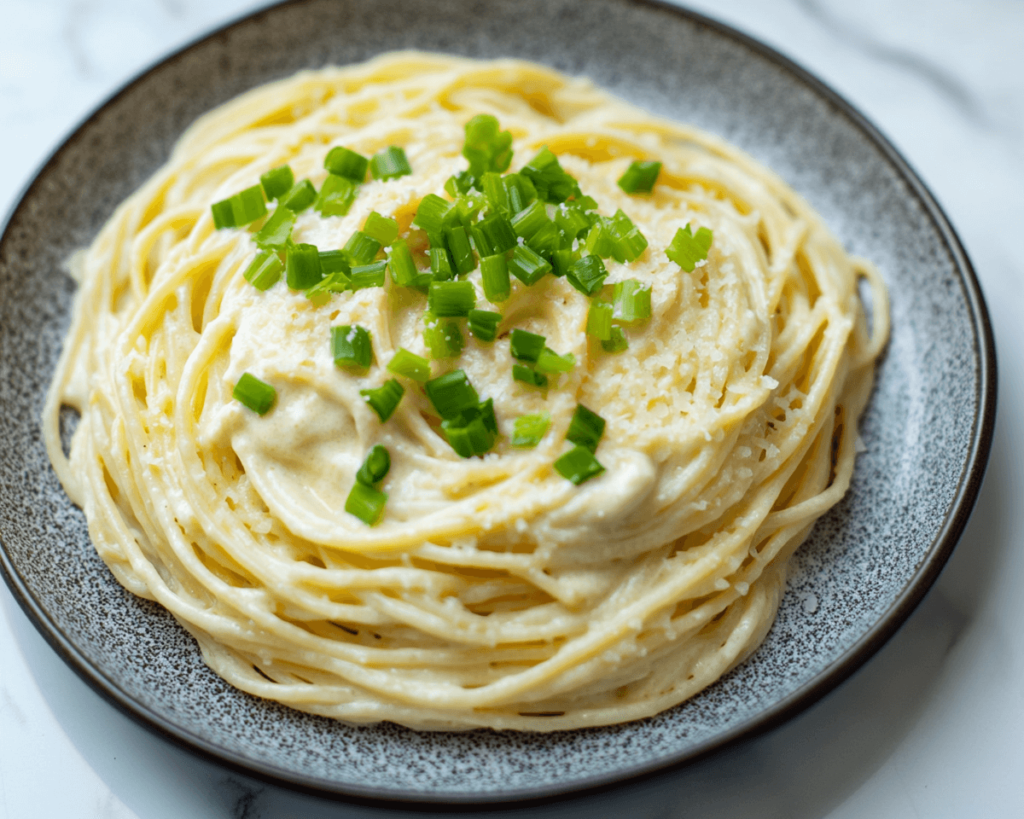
<point>459,183</point>
<point>257,395</point>
<point>302,266</point>
<point>640,177</point>
<point>527,265</point>
<point>552,183</point>
<point>529,430</point>
<point>469,437</point>
<point>390,163</point>
<point>551,362</point>
<point>336,195</point>
<point>578,465</point>
<point>599,320</point>
<point>499,233</point>
<point>617,343</point>
<point>275,232</point>
<point>299,197</point>
<point>367,275</point>
<point>320,293</point>
<point>432,213</point>
<point>687,248</point>
<point>527,375</point>
<point>526,346</point>
<point>441,263</point>
<point>630,245</point>
<point>546,240</point>
<point>483,324</point>
<point>461,250</point>
<point>361,249</point>
<point>600,240</point>
<point>334,261</point>
<point>381,228</point>
<point>409,365</point>
<point>384,399</point>
<point>451,298</point>
<point>486,147</point>
<point>375,467</point>
<point>400,263</point>
<point>442,337</point>
<point>585,428</point>
<point>520,191</point>
<point>531,219</point>
<point>264,271</point>
<point>587,275</point>
<point>223,214</point>
<point>481,243</point>
<point>561,261</point>
<point>241,209</point>
<point>494,272</point>
<point>347,163</point>
<point>571,220</point>
<point>452,394</point>
<point>277,181</point>
<point>494,189</point>
<point>351,346</point>
<point>366,503</point>
<point>632,301</point>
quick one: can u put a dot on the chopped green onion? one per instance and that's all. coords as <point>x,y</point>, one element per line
<point>451,394</point>
<point>351,346</point>
<point>617,343</point>
<point>571,220</point>
<point>494,189</point>
<point>529,430</point>
<point>480,241</point>
<point>366,503</point>
<point>368,275</point>
<point>552,183</point>
<point>299,197</point>
<point>381,228</point>
<point>390,163</point>
<point>400,262</point>
<point>561,261</point>
<point>462,251</point>
<point>442,337</point>
<point>578,465</point>
<point>469,437</point>
<point>630,245</point>
<point>551,362</point>
<point>486,148</point>
<point>632,301</point>
<point>494,272</point>
<point>423,281</point>
<point>546,240</point>
<point>347,163</point>
<point>257,395</point>
<point>334,261</point>
<point>599,320</point>
<point>277,181</point>
<point>451,298</point>
<point>526,346</point>
<point>361,249</point>
<point>409,365</point>
<point>302,266</point>
<point>587,275</point>
<point>432,213</point>
<point>498,231</point>
<point>483,324</point>
<point>585,428</point>
<point>275,232</point>
<point>520,191</point>
<point>264,271</point>
<point>241,209</point>
<point>376,466</point>
<point>441,263</point>
<point>466,207</point>
<point>527,265</point>
<point>600,240</point>
<point>336,195</point>
<point>384,399</point>
<point>640,177</point>
<point>687,249</point>
<point>336,282</point>
<point>459,183</point>
<point>531,219</point>
<point>527,375</point>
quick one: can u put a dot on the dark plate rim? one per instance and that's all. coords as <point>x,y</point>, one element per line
<point>822,684</point>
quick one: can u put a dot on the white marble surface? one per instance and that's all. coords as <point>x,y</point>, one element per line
<point>933,726</point>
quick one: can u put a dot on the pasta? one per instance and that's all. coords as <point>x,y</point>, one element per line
<point>493,592</point>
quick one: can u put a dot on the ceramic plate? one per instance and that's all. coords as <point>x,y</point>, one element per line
<point>866,565</point>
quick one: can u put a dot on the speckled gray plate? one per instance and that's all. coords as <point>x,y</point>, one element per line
<point>928,428</point>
